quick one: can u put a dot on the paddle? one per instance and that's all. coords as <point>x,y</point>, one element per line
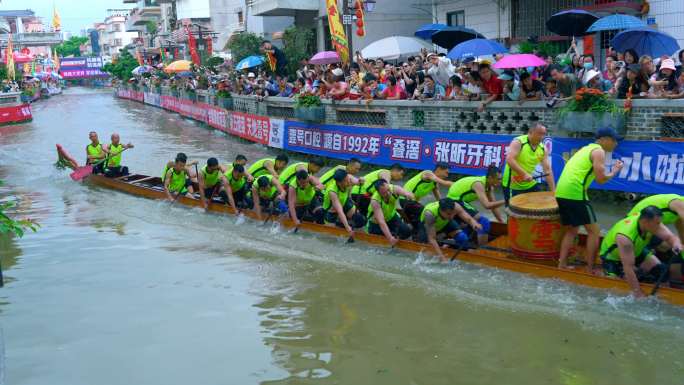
<point>673,256</point>
<point>82,172</point>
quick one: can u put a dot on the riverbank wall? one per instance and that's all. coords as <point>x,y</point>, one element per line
<point>419,134</point>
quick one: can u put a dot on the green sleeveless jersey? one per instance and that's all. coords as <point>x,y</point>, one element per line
<point>389,207</point>
<point>210,179</point>
<point>433,208</point>
<point>419,187</point>
<point>269,193</point>
<point>629,227</point>
<point>289,172</point>
<point>577,175</point>
<point>327,177</point>
<point>661,201</point>
<point>528,159</point>
<point>235,184</point>
<point>303,196</point>
<point>257,168</point>
<point>115,160</point>
<point>341,195</point>
<point>177,183</point>
<point>369,180</point>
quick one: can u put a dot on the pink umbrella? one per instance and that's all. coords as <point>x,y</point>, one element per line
<point>519,61</point>
<point>325,57</point>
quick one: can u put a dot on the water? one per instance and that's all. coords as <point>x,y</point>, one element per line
<point>116,289</point>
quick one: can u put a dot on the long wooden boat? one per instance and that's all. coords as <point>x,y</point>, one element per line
<point>495,255</point>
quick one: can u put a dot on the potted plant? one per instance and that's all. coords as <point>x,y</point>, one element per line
<point>308,108</point>
<point>224,99</point>
<point>27,95</point>
<point>589,110</point>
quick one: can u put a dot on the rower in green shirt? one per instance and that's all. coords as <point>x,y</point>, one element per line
<point>421,185</point>
<point>437,221</point>
<point>524,154</point>
<point>303,202</point>
<point>268,194</point>
<point>574,208</point>
<point>271,166</point>
<point>114,149</point>
<point>338,206</point>
<point>352,167</point>
<point>211,182</point>
<point>237,187</point>
<point>176,178</point>
<point>362,193</point>
<point>95,153</point>
<point>471,188</point>
<point>383,218</point>
<point>672,206</point>
<point>312,167</point>
<point>624,249</point>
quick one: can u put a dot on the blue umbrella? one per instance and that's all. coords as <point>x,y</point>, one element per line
<point>249,62</point>
<point>645,41</point>
<point>449,37</point>
<point>571,23</point>
<point>184,74</point>
<point>614,22</point>
<point>425,31</point>
<point>476,47</point>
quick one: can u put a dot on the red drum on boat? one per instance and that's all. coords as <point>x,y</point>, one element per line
<point>534,227</point>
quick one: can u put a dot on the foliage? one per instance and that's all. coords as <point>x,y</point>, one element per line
<point>591,100</point>
<point>544,48</point>
<point>29,91</point>
<point>123,66</point>
<point>151,27</point>
<point>214,62</point>
<point>298,43</point>
<point>243,45</point>
<point>3,71</point>
<point>225,94</point>
<point>71,47</point>
<point>14,226</point>
<point>307,100</point>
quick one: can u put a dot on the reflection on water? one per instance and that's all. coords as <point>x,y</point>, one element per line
<point>169,295</point>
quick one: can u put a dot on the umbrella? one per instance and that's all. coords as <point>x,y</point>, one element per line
<point>426,31</point>
<point>571,23</point>
<point>522,60</point>
<point>184,74</point>
<point>178,66</point>
<point>249,62</point>
<point>645,41</point>
<point>476,47</point>
<point>394,47</point>
<point>614,22</point>
<point>325,57</point>
<point>451,36</point>
<point>139,70</point>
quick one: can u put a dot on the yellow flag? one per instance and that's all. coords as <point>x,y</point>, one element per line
<point>337,34</point>
<point>10,58</point>
<point>56,20</point>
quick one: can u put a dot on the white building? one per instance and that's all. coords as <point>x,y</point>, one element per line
<point>114,36</point>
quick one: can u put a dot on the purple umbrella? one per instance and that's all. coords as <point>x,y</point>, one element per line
<point>325,57</point>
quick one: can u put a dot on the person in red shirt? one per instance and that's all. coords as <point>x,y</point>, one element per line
<point>393,91</point>
<point>491,85</point>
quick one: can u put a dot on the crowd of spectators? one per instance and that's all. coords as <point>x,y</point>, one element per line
<point>431,76</point>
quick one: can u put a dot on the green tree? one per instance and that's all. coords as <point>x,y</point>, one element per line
<point>123,66</point>
<point>9,225</point>
<point>298,43</point>
<point>243,45</point>
<point>71,47</point>
<point>3,71</point>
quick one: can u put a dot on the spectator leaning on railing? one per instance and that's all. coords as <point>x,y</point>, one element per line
<point>491,84</point>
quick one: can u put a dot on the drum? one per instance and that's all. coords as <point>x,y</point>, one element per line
<point>534,228</point>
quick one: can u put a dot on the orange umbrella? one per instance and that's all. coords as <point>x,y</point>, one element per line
<point>178,66</point>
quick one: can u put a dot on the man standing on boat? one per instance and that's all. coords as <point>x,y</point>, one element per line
<point>114,150</point>
<point>383,218</point>
<point>268,194</point>
<point>422,184</point>
<point>338,206</point>
<point>471,188</point>
<point>438,219</point>
<point>271,166</point>
<point>362,193</point>
<point>303,202</point>
<point>587,165</point>
<point>95,154</point>
<point>176,178</point>
<point>524,154</point>
<point>625,253</point>
<point>212,182</point>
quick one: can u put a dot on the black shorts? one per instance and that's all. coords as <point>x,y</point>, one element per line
<point>575,213</point>
<point>451,227</point>
<point>330,215</point>
<point>614,268</point>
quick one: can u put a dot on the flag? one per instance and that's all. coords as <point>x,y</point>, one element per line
<point>337,34</point>
<point>56,61</point>
<point>56,20</point>
<point>10,58</point>
<point>271,60</point>
<point>162,55</point>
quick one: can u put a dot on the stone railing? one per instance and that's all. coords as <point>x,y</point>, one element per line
<point>650,119</point>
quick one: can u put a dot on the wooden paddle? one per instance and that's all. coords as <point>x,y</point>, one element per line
<point>82,172</point>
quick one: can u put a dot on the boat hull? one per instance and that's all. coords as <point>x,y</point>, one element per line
<point>494,256</point>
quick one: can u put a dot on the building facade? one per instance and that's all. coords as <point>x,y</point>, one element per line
<point>113,34</point>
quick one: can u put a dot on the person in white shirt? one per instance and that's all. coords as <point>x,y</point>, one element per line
<point>440,69</point>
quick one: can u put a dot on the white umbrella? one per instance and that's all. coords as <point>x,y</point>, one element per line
<point>394,47</point>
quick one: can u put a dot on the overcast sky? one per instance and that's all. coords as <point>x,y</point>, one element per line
<point>76,14</point>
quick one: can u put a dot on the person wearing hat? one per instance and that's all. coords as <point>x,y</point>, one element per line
<point>511,86</point>
<point>632,83</point>
<point>585,166</point>
<point>339,89</point>
<point>592,79</point>
<point>664,81</point>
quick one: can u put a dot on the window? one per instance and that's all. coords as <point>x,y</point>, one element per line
<point>240,17</point>
<point>117,27</point>
<point>117,43</point>
<point>455,18</point>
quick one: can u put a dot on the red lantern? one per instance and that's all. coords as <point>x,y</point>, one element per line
<point>360,33</point>
<point>359,23</point>
<point>359,14</point>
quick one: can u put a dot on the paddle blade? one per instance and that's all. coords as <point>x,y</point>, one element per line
<point>81,172</point>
